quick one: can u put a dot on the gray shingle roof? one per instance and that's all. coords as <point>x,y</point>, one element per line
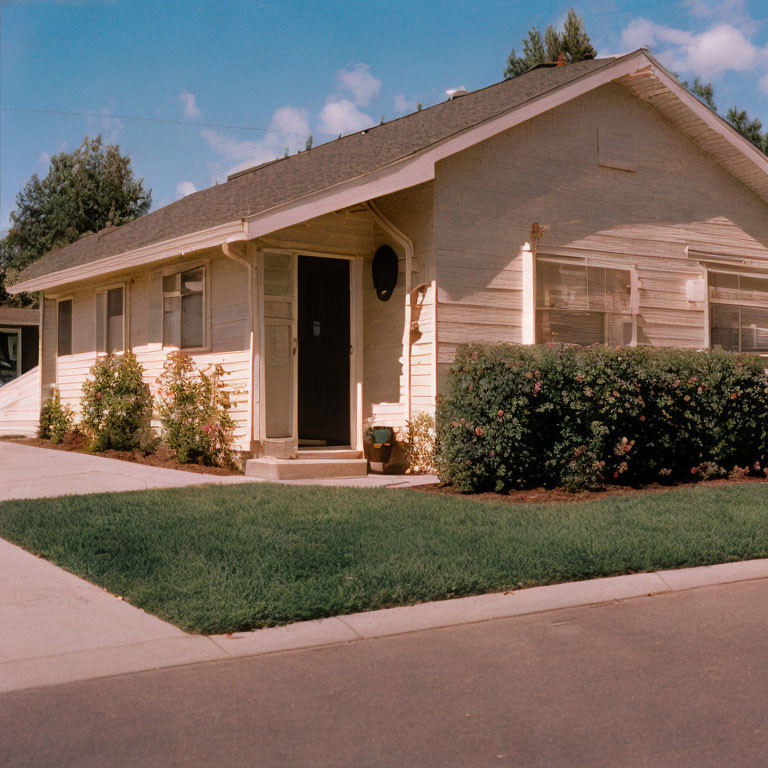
<point>292,177</point>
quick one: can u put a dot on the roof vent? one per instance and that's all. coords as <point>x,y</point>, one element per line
<point>454,93</point>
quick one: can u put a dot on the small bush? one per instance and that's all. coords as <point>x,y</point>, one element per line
<point>420,444</point>
<point>193,407</point>
<point>116,404</point>
<point>56,420</point>
<point>553,416</point>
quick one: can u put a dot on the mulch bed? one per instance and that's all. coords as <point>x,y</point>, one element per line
<point>162,457</point>
<point>559,496</point>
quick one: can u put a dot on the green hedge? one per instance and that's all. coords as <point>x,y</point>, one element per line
<point>553,416</point>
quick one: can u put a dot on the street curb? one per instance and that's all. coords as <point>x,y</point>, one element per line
<point>108,661</point>
<point>470,610</point>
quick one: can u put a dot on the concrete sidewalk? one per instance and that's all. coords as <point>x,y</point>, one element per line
<point>28,472</point>
<point>57,628</point>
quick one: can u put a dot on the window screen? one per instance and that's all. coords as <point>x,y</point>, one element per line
<point>64,327</point>
<point>577,303</point>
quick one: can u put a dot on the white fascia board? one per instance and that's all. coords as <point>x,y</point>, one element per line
<point>177,246</point>
<point>712,119</point>
<point>420,167</point>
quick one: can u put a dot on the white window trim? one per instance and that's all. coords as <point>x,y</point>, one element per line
<point>126,306</point>
<point>178,269</point>
<point>59,299</point>
<point>591,261</point>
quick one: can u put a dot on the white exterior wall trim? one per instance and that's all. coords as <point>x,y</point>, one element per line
<point>178,246</point>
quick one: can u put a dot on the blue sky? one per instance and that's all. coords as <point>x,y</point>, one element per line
<point>300,67</point>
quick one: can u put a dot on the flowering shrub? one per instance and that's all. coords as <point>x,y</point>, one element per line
<point>553,416</point>
<point>116,404</point>
<point>193,407</point>
<point>55,419</point>
<point>420,444</point>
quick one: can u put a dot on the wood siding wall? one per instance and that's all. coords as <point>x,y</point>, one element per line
<point>548,170</point>
<point>229,335</point>
<point>411,211</point>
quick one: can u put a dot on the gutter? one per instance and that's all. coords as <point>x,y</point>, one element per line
<point>229,252</point>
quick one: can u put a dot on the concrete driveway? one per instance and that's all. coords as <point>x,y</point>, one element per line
<point>27,472</point>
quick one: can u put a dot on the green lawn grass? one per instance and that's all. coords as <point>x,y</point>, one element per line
<point>225,558</point>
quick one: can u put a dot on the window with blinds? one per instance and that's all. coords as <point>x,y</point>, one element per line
<point>578,303</point>
<point>184,309</point>
<point>738,312</point>
<point>110,320</point>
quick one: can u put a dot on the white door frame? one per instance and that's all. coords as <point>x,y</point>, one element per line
<point>288,447</point>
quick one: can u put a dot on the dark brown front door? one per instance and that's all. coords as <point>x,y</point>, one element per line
<point>323,332</point>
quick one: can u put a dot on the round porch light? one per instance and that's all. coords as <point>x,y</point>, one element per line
<point>384,272</point>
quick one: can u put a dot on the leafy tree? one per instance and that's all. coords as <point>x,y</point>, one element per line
<point>308,145</point>
<point>573,41</point>
<point>84,191</point>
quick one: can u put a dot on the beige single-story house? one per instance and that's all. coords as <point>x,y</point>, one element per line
<point>593,202</point>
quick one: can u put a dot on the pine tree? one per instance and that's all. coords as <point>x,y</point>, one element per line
<point>573,41</point>
<point>308,145</point>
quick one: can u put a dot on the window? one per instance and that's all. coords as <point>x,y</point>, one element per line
<point>64,327</point>
<point>577,303</point>
<point>110,320</point>
<point>738,312</point>
<point>183,309</point>
<point>10,354</point>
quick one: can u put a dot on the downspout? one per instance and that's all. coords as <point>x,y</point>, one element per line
<point>407,244</point>
<point>226,249</point>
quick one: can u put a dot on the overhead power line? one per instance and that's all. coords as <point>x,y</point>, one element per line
<point>148,120</point>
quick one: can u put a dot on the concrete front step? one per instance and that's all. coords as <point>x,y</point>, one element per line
<point>269,468</point>
<point>329,453</point>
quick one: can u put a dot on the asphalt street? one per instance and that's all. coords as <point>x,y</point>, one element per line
<point>677,679</point>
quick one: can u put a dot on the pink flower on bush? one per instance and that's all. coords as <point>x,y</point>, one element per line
<point>501,413</point>
<point>478,431</point>
<point>537,387</point>
<point>98,395</point>
<point>206,427</point>
<point>529,374</point>
<point>694,470</point>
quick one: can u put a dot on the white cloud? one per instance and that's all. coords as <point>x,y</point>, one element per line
<point>343,117</point>
<point>718,49</point>
<point>184,188</point>
<point>107,127</point>
<point>189,105</point>
<point>358,81</point>
<point>404,105</point>
<point>289,130</point>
